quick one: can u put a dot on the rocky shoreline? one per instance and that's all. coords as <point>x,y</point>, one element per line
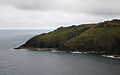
<point>39,49</point>
<point>115,56</point>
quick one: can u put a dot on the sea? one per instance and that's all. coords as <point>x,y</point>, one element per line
<point>29,62</point>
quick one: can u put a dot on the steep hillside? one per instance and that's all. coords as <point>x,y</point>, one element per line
<point>101,37</point>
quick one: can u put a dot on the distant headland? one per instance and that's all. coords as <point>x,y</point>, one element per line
<point>103,37</point>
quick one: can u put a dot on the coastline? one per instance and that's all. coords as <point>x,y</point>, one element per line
<point>34,49</point>
<point>115,56</point>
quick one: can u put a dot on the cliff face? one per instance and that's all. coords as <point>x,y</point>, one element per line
<point>104,36</point>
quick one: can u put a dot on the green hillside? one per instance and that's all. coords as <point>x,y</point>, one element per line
<point>100,37</point>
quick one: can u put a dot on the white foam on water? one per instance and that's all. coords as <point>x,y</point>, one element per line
<point>76,52</point>
<point>109,56</point>
<point>54,51</point>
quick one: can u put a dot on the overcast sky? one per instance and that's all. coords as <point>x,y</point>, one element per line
<point>49,14</point>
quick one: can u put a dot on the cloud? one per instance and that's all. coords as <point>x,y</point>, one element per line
<point>100,7</point>
<point>39,14</point>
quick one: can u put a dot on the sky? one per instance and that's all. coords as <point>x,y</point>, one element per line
<point>51,14</point>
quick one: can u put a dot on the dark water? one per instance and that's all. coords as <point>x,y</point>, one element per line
<point>26,62</point>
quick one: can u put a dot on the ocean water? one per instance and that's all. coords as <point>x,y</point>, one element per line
<point>27,62</point>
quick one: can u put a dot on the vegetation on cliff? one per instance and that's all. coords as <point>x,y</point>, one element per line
<point>100,37</point>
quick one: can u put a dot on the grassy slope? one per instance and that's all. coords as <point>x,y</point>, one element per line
<point>104,36</point>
